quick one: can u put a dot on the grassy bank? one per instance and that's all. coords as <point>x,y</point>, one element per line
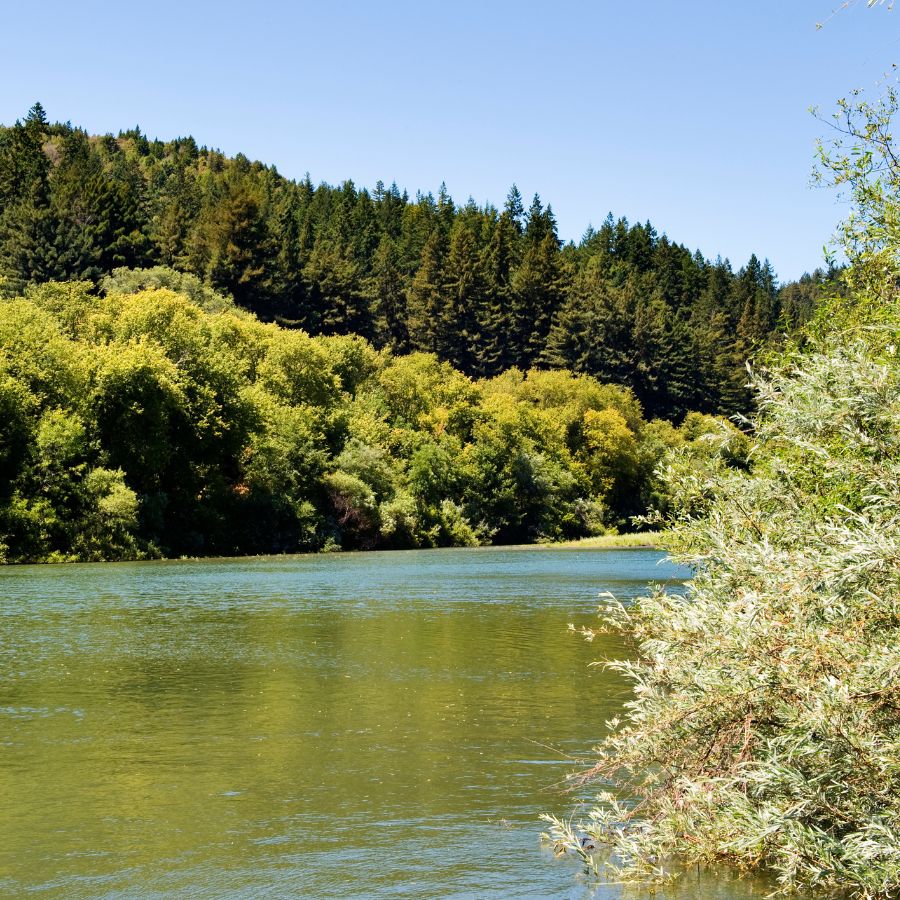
<point>646,540</point>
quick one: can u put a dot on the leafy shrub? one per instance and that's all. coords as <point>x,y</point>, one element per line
<point>765,724</point>
<point>228,435</point>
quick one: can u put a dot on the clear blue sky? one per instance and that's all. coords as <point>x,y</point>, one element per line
<point>692,114</point>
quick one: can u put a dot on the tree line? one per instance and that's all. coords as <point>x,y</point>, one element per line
<point>483,288</point>
<point>165,421</point>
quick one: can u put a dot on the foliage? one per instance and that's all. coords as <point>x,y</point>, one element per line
<point>861,162</point>
<point>132,281</point>
<point>483,289</point>
<point>764,729</point>
<point>149,421</point>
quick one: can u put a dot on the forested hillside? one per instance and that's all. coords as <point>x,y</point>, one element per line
<point>484,289</point>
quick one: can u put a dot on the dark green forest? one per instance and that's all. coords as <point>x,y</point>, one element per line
<point>199,356</point>
<point>483,288</point>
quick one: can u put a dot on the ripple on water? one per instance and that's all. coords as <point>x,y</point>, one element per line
<point>385,725</point>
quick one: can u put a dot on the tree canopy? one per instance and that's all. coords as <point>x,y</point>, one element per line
<point>160,419</point>
<point>484,288</point>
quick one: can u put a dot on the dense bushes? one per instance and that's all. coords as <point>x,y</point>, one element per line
<point>765,726</point>
<point>144,422</point>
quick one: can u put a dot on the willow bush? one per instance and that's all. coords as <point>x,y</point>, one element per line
<point>764,728</point>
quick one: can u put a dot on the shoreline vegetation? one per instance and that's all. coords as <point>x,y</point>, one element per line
<point>143,425</point>
<point>639,540</point>
<point>646,540</point>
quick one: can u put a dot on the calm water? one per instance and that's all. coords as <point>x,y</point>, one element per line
<point>384,725</point>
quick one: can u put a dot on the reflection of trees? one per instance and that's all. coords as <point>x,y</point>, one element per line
<point>201,729</point>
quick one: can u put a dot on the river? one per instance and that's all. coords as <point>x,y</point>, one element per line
<point>350,725</point>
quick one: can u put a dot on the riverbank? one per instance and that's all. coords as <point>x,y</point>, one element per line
<point>647,540</point>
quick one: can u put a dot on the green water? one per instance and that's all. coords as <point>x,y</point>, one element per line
<point>384,725</point>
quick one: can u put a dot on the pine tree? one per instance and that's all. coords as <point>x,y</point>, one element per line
<point>495,325</point>
<point>536,223</point>
<point>423,308</point>
<point>27,224</point>
<point>389,297</point>
<point>338,301</point>
<point>754,297</point>
<point>515,209</point>
<point>228,245</point>
<point>462,294</point>
<point>539,286</point>
<point>24,167</point>
<point>446,209</point>
<point>284,280</point>
<point>593,331</point>
<point>175,211</point>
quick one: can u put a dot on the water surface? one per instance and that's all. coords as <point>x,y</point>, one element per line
<point>382,724</point>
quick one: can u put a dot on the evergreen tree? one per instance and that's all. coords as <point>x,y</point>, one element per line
<point>228,244</point>
<point>389,297</point>
<point>284,281</point>
<point>493,352</point>
<point>515,209</point>
<point>539,285</point>
<point>338,299</point>
<point>424,306</point>
<point>462,295</point>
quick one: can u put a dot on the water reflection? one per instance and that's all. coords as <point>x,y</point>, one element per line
<point>355,725</point>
